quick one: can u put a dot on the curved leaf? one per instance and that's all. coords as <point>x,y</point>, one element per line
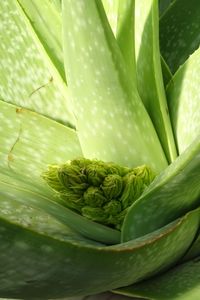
<point>26,150</point>
<point>174,192</point>
<point>33,264</point>
<point>107,106</point>
<point>180,283</point>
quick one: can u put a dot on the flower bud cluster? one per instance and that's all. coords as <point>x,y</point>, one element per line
<point>99,191</point>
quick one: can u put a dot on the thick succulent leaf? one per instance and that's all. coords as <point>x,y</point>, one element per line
<point>164,5</point>
<point>149,73</point>
<point>29,142</point>
<point>193,251</point>
<point>175,191</point>
<point>180,283</point>
<point>111,8</point>
<point>167,75</point>
<point>25,152</point>
<point>110,115</point>
<point>33,264</point>
<point>125,35</point>
<point>180,32</point>
<point>184,101</point>
<point>45,17</point>
<point>28,77</point>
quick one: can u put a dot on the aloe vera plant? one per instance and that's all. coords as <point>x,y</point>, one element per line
<point>99,148</point>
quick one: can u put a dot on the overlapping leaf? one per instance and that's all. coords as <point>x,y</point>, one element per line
<point>106,103</point>
<point>149,74</point>
<point>184,102</point>
<point>180,283</point>
<point>28,77</point>
<point>175,191</point>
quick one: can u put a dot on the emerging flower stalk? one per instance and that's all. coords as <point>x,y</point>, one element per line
<point>99,191</point>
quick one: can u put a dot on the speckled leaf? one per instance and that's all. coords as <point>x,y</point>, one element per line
<point>25,152</point>
<point>106,103</point>
<point>184,101</point>
<point>175,191</point>
<point>149,73</point>
<point>180,32</point>
<point>28,77</point>
<point>180,283</point>
<point>45,17</point>
<point>125,35</point>
<point>34,263</point>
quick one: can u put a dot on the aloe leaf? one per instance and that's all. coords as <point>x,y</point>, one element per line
<point>106,103</point>
<point>149,73</point>
<point>184,105</point>
<point>26,141</point>
<point>28,77</point>
<point>193,251</point>
<point>111,8</point>
<point>45,18</point>
<point>43,262</point>
<point>167,75</point>
<point>26,150</point>
<point>125,35</point>
<point>180,283</point>
<point>48,204</point>
<point>175,191</point>
<point>179,32</point>
<point>164,5</point>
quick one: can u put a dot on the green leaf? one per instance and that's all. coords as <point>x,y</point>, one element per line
<point>175,191</point>
<point>111,8</point>
<point>183,98</point>
<point>164,5</point>
<point>125,35</point>
<point>34,264</point>
<point>149,73</point>
<point>28,77</point>
<point>26,151</point>
<point>180,283</point>
<point>106,103</point>
<point>45,18</point>
<point>167,75</point>
<point>179,32</point>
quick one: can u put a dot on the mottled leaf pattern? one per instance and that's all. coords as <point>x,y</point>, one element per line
<point>28,77</point>
<point>180,32</point>
<point>106,103</point>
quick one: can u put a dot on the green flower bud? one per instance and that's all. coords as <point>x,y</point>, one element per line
<point>133,187</point>
<point>51,178</point>
<point>145,173</point>
<point>96,173</point>
<point>112,186</point>
<point>94,197</point>
<point>73,178</point>
<point>102,192</point>
<point>72,200</point>
<point>95,214</point>
<point>113,207</point>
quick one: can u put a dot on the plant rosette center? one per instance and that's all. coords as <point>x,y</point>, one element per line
<point>99,191</point>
